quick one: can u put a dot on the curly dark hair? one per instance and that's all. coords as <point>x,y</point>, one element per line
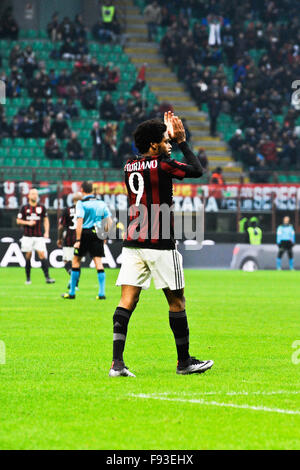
<point>151,131</point>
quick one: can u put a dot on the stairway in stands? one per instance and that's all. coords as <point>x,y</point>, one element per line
<point>164,83</point>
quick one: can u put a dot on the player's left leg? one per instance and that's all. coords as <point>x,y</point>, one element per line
<point>45,266</point>
<point>291,257</point>
<point>179,326</point>
<point>101,277</point>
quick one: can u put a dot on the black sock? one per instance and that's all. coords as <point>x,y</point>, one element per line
<point>28,269</point>
<point>179,326</point>
<point>68,267</point>
<point>120,319</point>
<point>45,267</point>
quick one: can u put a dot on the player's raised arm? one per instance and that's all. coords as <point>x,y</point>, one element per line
<point>192,168</point>
<point>192,160</point>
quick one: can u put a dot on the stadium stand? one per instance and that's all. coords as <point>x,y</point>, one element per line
<point>62,87</point>
<point>238,62</point>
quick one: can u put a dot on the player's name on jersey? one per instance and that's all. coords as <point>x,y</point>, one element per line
<point>141,165</point>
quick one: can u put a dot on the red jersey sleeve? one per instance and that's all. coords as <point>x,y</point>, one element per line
<point>174,168</point>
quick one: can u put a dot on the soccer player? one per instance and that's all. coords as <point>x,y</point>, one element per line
<point>33,217</point>
<point>147,252</point>
<point>90,214</point>
<point>67,233</point>
<point>285,239</point>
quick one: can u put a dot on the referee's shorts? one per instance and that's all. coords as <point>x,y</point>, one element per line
<point>90,244</point>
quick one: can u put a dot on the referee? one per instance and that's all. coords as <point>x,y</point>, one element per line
<point>90,214</point>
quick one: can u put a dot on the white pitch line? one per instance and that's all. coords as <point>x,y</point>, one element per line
<point>200,401</point>
<point>242,392</point>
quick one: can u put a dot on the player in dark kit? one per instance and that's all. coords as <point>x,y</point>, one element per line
<point>67,233</point>
<point>149,249</point>
<point>34,218</point>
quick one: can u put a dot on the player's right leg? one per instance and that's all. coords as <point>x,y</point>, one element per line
<point>26,248</point>
<point>41,252</point>
<point>129,299</point>
<point>186,364</point>
<point>279,256</point>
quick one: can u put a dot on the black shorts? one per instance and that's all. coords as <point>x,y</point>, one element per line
<point>90,243</point>
<point>285,245</point>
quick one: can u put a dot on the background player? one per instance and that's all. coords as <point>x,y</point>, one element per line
<point>34,218</point>
<point>90,212</point>
<point>285,240</point>
<point>145,255</point>
<point>67,233</point>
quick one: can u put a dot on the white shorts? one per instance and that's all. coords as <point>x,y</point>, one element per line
<point>139,265</point>
<point>68,253</point>
<point>33,244</point>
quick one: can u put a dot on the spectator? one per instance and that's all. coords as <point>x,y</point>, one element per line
<point>217,177</point>
<point>152,17</point>
<point>10,28</point>
<point>46,126</point>
<point>214,107</point>
<point>110,142</point>
<point>107,109</point>
<point>53,27</point>
<point>14,128</point>
<point>124,152</point>
<point>121,108</point>
<point>74,148</point>
<point>60,127</point>
<point>203,159</point>
<point>26,128</point>
<point>67,50</point>
<point>97,137</point>
<point>214,24</point>
<point>66,29</point>
<point>52,149</point>
<point>89,97</point>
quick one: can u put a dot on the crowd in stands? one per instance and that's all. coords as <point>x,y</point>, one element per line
<point>208,42</point>
<point>57,98</point>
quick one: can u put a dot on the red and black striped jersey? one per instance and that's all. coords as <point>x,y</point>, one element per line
<point>68,221</point>
<point>150,194</point>
<point>37,213</point>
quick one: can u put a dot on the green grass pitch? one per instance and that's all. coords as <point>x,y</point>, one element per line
<point>56,394</point>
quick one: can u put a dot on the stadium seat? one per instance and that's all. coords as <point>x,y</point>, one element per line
<point>56,163</point>
<point>19,142</point>
<point>92,164</point>
<point>6,142</point>
<point>81,164</point>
